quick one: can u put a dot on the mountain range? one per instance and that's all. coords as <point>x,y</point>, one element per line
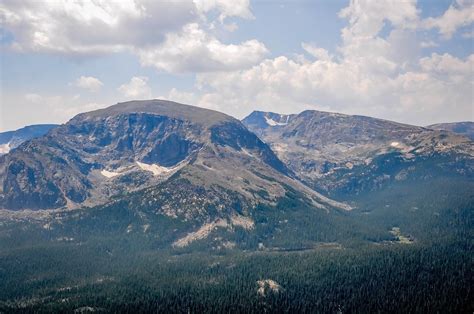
<point>161,161</point>
<point>342,154</point>
<point>153,205</point>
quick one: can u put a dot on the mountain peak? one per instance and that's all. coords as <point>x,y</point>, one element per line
<point>159,107</point>
<point>139,144</point>
<point>263,120</point>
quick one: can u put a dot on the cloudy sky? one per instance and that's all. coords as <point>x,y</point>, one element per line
<point>404,60</point>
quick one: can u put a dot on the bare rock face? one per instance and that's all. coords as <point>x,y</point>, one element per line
<point>342,153</point>
<point>191,159</point>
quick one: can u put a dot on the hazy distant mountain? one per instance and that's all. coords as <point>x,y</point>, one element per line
<point>463,128</point>
<point>340,153</point>
<point>12,139</point>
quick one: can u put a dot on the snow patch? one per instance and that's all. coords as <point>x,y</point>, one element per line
<point>246,152</point>
<point>272,122</point>
<point>201,233</point>
<point>5,148</point>
<point>403,148</point>
<point>109,174</point>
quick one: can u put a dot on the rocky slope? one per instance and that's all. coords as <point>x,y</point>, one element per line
<point>339,153</point>
<point>12,139</point>
<point>197,163</point>
<point>260,121</point>
<point>463,128</point>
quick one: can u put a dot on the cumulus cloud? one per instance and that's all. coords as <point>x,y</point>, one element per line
<point>448,64</point>
<point>194,50</point>
<point>137,88</point>
<point>91,27</point>
<point>378,69</point>
<point>318,53</point>
<point>147,28</point>
<point>428,44</point>
<point>286,85</point>
<point>372,74</point>
<point>89,82</point>
<point>459,14</point>
<point>235,8</point>
<point>367,18</point>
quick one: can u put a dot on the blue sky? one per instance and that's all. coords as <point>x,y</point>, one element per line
<point>409,61</point>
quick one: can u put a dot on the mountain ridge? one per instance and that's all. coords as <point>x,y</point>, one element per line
<point>140,144</point>
<point>326,149</point>
<point>465,128</point>
<point>12,139</point>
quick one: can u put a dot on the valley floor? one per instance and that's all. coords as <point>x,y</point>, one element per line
<point>407,249</point>
<point>111,277</point>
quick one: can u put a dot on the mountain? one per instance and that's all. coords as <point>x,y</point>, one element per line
<point>340,154</point>
<point>205,158</point>
<point>463,128</point>
<point>12,139</point>
<point>177,171</point>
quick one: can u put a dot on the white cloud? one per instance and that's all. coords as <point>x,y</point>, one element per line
<point>92,27</point>
<point>441,89</point>
<point>377,69</point>
<point>137,88</point>
<point>459,14</point>
<point>428,44</point>
<point>151,29</point>
<point>447,64</point>
<point>228,8</point>
<point>367,17</point>
<point>371,75</point>
<point>89,82</point>
<point>318,53</point>
<point>182,96</point>
<point>194,50</point>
